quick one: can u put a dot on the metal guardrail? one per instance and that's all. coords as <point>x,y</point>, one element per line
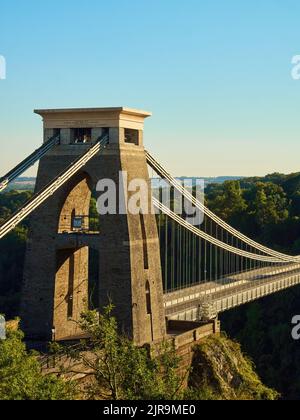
<point>78,224</point>
<point>236,295</point>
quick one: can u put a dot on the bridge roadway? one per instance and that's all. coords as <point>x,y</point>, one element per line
<point>230,292</point>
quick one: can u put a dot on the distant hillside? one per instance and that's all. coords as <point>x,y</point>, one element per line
<point>289,182</point>
<point>28,183</point>
<point>22,184</point>
<point>207,180</point>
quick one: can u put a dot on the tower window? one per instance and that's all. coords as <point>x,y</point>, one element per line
<point>81,135</point>
<point>132,136</point>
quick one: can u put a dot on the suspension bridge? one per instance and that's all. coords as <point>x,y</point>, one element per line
<point>154,267</point>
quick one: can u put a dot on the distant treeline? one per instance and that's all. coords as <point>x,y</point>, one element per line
<point>267,208</point>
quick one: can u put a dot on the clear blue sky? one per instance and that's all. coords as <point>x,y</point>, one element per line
<point>216,74</point>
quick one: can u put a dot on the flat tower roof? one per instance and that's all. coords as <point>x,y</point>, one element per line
<point>121,110</point>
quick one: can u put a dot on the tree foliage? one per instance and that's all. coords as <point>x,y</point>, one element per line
<point>270,205</point>
<point>230,202</point>
<point>21,377</point>
<point>117,368</point>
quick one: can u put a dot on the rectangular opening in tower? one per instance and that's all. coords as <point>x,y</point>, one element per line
<point>81,135</point>
<point>132,136</point>
<point>93,276</point>
<point>144,236</point>
<point>71,287</point>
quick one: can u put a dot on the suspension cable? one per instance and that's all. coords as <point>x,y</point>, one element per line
<point>211,239</point>
<point>172,181</point>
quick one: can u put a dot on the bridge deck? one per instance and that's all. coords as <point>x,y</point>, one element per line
<point>230,292</point>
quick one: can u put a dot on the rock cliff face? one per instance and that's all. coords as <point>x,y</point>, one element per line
<point>221,372</point>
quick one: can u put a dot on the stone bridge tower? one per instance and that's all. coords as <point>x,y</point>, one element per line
<point>61,240</point>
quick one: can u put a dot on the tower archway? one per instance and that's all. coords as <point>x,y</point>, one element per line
<point>75,211</point>
<point>75,263</point>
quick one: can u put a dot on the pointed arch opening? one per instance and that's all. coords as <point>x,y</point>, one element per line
<point>78,211</point>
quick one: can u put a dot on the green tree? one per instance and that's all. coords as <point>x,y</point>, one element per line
<point>21,377</point>
<point>12,201</point>
<point>117,368</point>
<point>93,216</point>
<point>12,253</point>
<point>230,202</point>
<point>270,205</point>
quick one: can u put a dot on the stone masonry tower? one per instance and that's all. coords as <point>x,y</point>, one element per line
<point>61,240</point>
